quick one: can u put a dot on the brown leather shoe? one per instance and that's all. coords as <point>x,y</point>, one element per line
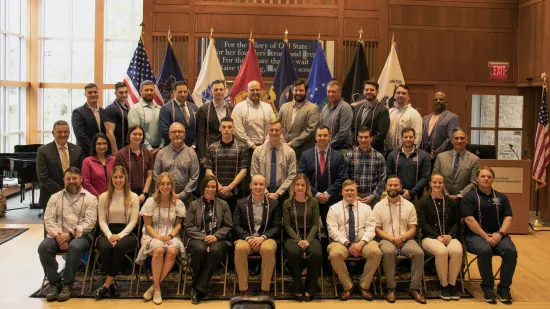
<point>345,295</point>
<point>266,293</point>
<point>243,293</point>
<point>390,296</point>
<point>366,294</point>
<point>419,298</point>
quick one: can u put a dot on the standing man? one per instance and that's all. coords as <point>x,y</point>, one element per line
<point>182,111</point>
<point>367,168</point>
<point>146,114</point>
<point>256,226</point>
<point>276,161</point>
<point>87,120</point>
<point>181,162</point>
<point>373,115</point>
<point>458,166</point>
<point>402,115</point>
<point>437,127</point>
<point>351,227</point>
<point>116,119</point>
<point>227,159</point>
<point>396,226</point>
<point>337,115</point>
<point>411,164</point>
<point>53,159</point>
<point>299,118</point>
<point>209,120</point>
<point>488,217</point>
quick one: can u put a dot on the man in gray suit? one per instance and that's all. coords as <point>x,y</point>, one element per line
<point>53,159</point>
<point>458,166</point>
<point>300,119</point>
<point>437,127</point>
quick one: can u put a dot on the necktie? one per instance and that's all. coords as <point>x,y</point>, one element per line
<point>185,112</point>
<point>64,159</point>
<point>351,224</point>
<point>322,162</point>
<point>273,172</point>
<point>455,165</point>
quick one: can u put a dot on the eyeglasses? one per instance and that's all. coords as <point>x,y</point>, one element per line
<point>178,132</point>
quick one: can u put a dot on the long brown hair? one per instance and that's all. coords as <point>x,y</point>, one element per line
<point>295,180</point>
<point>125,188</point>
<point>156,195</point>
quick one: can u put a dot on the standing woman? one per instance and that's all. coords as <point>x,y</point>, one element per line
<point>138,161</point>
<point>162,215</point>
<point>439,219</point>
<point>96,169</point>
<point>117,216</point>
<point>207,227</point>
<point>301,225</point>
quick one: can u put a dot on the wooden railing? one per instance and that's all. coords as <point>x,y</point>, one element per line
<point>282,2</point>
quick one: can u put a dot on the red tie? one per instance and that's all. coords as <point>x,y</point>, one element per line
<point>322,163</point>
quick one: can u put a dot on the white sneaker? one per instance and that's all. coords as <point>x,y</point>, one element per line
<point>157,298</point>
<point>148,295</point>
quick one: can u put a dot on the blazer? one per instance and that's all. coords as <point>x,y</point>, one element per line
<point>193,220</point>
<point>240,220</point>
<point>321,184</point>
<point>312,220</point>
<point>379,123</point>
<point>441,134</point>
<point>85,126</point>
<point>302,131</point>
<point>428,221</point>
<point>49,169</point>
<point>169,113</point>
<point>213,129</point>
<point>465,178</point>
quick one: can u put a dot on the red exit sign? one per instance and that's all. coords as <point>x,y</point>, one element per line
<point>498,70</point>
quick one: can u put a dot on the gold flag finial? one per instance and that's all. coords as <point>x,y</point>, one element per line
<point>286,36</point>
<point>544,79</point>
<point>319,37</point>
<point>142,25</point>
<point>393,43</point>
<point>250,38</point>
<point>169,37</point>
<point>361,35</point>
<point>211,34</point>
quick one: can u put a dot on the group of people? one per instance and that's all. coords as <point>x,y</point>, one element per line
<point>267,179</point>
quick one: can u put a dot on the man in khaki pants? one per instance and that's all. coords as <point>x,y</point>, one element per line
<point>351,228</point>
<point>256,224</point>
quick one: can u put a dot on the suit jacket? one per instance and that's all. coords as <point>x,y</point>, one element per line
<point>193,221</point>
<point>465,178</point>
<point>441,134</point>
<point>240,221</point>
<point>379,124</point>
<point>428,217</point>
<point>85,126</point>
<point>213,125</point>
<point>49,170</point>
<point>170,113</point>
<point>302,131</point>
<point>321,184</point>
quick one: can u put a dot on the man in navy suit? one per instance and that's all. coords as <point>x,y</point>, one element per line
<point>182,111</point>
<point>437,127</point>
<point>88,119</point>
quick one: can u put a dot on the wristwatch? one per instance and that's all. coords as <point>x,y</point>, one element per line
<point>502,234</point>
<point>404,239</point>
<point>348,245</point>
<point>171,236</point>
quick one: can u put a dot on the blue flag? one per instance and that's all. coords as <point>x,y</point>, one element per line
<point>169,74</point>
<point>281,91</point>
<point>319,76</point>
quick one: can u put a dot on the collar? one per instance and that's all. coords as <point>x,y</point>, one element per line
<point>408,153</point>
<point>395,204</point>
<point>81,192</point>
<point>91,108</point>
<point>402,108</point>
<point>371,105</point>
<point>218,106</point>
<point>107,159</point>
<point>177,150</point>
<point>483,193</point>
<point>59,146</point>
<point>227,144</point>
<point>270,146</point>
<point>252,103</point>
<point>144,104</point>
<point>181,103</point>
<point>257,203</point>
<point>335,105</point>
<point>346,203</point>
<point>364,152</point>
<point>319,149</point>
<point>121,105</point>
<point>299,105</point>
<point>455,153</point>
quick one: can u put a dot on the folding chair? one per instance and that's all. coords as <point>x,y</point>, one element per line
<point>257,256</point>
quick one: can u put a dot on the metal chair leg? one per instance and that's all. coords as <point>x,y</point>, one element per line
<point>139,278</point>
<point>96,258</point>
<point>225,274</point>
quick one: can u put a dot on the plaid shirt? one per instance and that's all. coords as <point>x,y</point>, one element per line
<point>225,157</point>
<point>368,170</point>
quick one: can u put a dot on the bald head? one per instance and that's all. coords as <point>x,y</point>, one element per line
<point>439,102</point>
<point>254,91</point>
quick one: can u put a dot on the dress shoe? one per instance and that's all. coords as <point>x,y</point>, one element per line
<point>266,293</point>
<point>53,291</point>
<point>366,294</point>
<point>417,296</point>
<point>148,295</point>
<point>390,296</point>
<point>345,295</point>
<point>196,297</point>
<point>299,298</point>
<point>100,293</point>
<point>65,293</point>
<point>308,298</point>
<point>114,290</point>
<point>243,293</point>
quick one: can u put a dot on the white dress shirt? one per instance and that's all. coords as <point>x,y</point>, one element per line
<point>338,222</point>
<point>384,220</point>
<point>402,117</point>
<point>252,122</point>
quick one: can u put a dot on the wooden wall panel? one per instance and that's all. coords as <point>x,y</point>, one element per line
<point>361,5</point>
<point>531,41</point>
<point>178,22</point>
<point>160,2</point>
<point>352,26</point>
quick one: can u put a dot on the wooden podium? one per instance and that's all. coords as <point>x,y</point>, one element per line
<point>513,178</point>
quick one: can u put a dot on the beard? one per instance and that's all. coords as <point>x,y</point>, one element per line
<point>370,97</point>
<point>148,98</point>
<point>393,193</point>
<point>73,188</point>
<point>299,98</point>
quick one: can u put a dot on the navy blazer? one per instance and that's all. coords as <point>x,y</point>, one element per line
<point>214,133</point>
<point>441,134</point>
<point>321,184</point>
<point>240,221</point>
<point>171,110</point>
<point>85,126</point>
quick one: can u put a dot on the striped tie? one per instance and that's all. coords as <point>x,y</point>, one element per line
<point>64,159</point>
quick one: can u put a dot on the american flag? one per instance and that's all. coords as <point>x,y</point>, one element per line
<point>542,143</point>
<point>138,71</point>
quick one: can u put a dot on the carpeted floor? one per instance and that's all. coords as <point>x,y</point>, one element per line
<point>7,234</point>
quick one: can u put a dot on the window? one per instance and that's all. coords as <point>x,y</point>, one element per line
<point>13,108</point>
<point>58,104</point>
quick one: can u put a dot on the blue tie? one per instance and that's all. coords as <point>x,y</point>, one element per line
<point>273,173</point>
<point>351,223</point>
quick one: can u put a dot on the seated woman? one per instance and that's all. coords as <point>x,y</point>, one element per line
<point>117,216</point>
<point>207,227</point>
<point>162,215</point>
<point>301,224</point>
<point>96,169</point>
<point>439,219</point>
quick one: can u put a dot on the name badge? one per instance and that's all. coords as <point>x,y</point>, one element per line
<point>415,159</point>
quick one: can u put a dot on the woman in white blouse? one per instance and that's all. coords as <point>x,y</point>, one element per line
<point>118,210</point>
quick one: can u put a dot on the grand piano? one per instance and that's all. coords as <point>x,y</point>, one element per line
<point>21,164</point>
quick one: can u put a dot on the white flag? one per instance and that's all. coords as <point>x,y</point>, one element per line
<point>389,79</point>
<point>211,70</point>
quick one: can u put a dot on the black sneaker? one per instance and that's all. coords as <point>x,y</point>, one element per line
<point>489,297</point>
<point>454,292</point>
<point>53,291</point>
<point>504,297</point>
<point>65,293</point>
<point>100,293</point>
<point>445,293</point>
<point>115,292</point>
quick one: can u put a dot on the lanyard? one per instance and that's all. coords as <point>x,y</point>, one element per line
<point>432,139</point>
<point>398,223</point>
<point>360,112</point>
<point>264,118</point>
<point>417,162</point>
<point>130,165</point>
<point>169,211</point>
<point>122,118</point>
<point>211,213</point>
<point>62,209</point>
<point>216,159</point>
<point>296,221</point>
<point>227,113</point>
<point>396,136</point>
<point>317,162</point>
<point>266,202</point>
<point>442,229</point>
<point>356,154</point>
<point>495,200</point>
<point>346,223</point>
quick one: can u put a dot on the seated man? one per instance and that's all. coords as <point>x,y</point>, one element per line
<point>69,218</point>
<point>488,216</point>
<point>396,226</point>
<point>256,224</point>
<point>351,228</point>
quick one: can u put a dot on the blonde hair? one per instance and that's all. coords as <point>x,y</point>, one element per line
<point>156,194</point>
<point>125,188</point>
<point>295,180</point>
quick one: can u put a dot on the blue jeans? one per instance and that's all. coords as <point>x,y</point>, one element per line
<point>47,251</point>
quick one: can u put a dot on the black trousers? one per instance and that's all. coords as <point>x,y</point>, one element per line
<point>112,258</point>
<point>203,263</point>
<point>295,258</point>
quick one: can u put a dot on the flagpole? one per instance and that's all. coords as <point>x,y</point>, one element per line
<point>169,37</point>
<point>537,224</point>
